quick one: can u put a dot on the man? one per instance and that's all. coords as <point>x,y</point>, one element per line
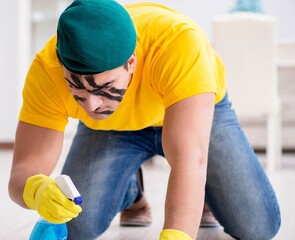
<point>142,81</point>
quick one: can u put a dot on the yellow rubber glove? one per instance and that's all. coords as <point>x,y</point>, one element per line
<point>172,234</point>
<point>42,193</point>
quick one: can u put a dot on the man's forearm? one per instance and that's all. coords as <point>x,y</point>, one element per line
<point>185,199</point>
<point>18,177</point>
<point>16,186</point>
<point>36,150</point>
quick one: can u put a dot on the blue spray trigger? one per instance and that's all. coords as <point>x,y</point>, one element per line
<point>78,200</point>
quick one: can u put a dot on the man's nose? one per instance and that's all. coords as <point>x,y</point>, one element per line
<point>93,102</point>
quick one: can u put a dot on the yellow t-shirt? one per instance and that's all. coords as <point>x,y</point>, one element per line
<point>174,61</point>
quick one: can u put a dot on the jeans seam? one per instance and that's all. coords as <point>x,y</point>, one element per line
<point>274,201</point>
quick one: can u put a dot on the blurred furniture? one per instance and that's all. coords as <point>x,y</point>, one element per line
<point>286,76</point>
<point>247,44</point>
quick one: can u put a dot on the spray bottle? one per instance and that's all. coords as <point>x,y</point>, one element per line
<point>44,230</point>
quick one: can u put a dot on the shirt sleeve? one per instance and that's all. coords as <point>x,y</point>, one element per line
<point>42,103</point>
<point>185,67</point>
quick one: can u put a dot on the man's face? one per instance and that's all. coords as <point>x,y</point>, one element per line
<point>100,94</point>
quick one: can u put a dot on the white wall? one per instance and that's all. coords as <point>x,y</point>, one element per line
<point>8,75</point>
<point>13,63</point>
<point>11,58</point>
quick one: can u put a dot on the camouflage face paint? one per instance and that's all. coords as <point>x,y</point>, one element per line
<point>99,92</point>
<point>110,93</point>
<point>117,91</point>
<point>77,81</point>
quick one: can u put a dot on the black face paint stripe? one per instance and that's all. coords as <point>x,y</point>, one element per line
<point>91,82</point>
<point>71,84</point>
<point>117,91</point>
<point>77,81</point>
<point>98,92</point>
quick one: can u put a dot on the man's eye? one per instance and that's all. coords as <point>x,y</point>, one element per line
<point>77,98</point>
<point>107,85</point>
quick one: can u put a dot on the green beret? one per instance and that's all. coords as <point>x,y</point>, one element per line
<point>94,36</point>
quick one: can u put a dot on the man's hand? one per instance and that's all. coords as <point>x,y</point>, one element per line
<point>172,234</point>
<point>42,193</point>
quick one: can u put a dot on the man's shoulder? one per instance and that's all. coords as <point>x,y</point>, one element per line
<point>47,55</point>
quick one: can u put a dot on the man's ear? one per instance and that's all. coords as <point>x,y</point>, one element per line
<point>131,63</point>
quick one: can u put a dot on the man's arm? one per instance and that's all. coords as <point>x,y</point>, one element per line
<point>186,134</point>
<point>36,151</point>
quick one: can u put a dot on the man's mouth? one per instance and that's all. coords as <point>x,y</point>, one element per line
<point>108,112</point>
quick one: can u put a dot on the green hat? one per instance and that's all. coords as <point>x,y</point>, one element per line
<point>94,36</point>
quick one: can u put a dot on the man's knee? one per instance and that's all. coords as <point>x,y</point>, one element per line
<point>87,230</point>
<point>258,230</point>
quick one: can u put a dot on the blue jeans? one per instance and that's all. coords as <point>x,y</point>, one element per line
<point>103,164</point>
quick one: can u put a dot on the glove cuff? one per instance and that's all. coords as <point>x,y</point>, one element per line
<point>31,186</point>
<point>173,234</point>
